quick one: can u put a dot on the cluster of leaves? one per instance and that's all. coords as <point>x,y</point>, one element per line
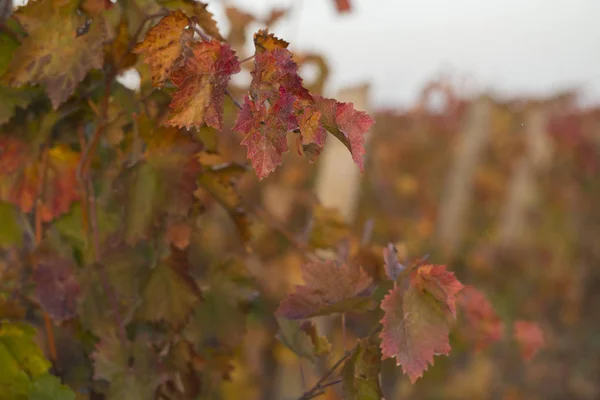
<point>106,197</point>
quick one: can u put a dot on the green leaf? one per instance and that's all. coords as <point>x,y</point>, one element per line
<point>58,52</point>
<point>360,375</point>
<point>49,387</point>
<point>169,294</point>
<point>132,369</point>
<point>10,232</point>
<point>142,201</point>
<point>21,359</point>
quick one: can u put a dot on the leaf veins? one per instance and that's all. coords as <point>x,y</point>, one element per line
<point>328,289</point>
<point>417,320</point>
<point>201,84</point>
<point>163,45</point>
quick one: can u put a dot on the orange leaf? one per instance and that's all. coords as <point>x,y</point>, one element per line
<point>20,173</point>
<point>201,84</point>
<point>163,45</point>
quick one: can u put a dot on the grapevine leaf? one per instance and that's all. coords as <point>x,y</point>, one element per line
<point>49,387</point>
<point>11,232</point>
<point>127,271</point>
<point>196,10</point>
<point>266,131</point>
<point>275,69</point>
<point>170,294</point>
<point>20,360</point>
<point>321,345</point>
<point>303,339</point>
<point>201,84</point>
<point>53,53</point>
<point>219,321</point>
<point>13,98</point>
<point>56,286</point>
<point>328,289</point>
<point>312,133</point>
<point>219,181</point>
<point>360,374</point>
<point>162,47</point>
<point>417,320</point>
<point>415,329</point>
<point>483,326</point>
<point>19,178</point>
<point>346,124</point>
<point>440,283</point>
<point>530,338</point>
<point>265,41</point>
<point>131,368</point>
<point>141,204</point>
<point>164,181</point>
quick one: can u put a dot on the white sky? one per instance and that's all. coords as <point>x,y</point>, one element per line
<point>510,46</point>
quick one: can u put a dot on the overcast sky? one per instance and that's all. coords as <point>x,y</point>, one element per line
<point>514,47</point>
<point>511,46</point>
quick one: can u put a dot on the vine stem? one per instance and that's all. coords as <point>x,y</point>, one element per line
<point>39,202</point>
<point>248,58</point>
<point>237,103</point>
<point>318,388</point>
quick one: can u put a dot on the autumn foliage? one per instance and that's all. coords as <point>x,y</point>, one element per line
<point>134,241</point>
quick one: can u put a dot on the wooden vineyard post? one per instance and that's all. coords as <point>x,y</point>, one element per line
<point>458,190</point>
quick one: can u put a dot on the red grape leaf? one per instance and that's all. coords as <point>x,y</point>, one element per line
<point>56,286</point>
<point>196,10</point>
<point>530,338</point>
<point>274,69</point>
<point>19,176</point>
<point>417,320</point>
<point>54,53</point>
<point>440,283</point>
<point>163,45</point>
<point>328,289</point>
<point>360,375</point>
<point>346,124</point>
<point>483,326</point>
<point>266,131</point>
<point>201,84</point>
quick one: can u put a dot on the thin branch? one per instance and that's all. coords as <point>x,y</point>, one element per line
<point>237,103</point>
<point>203,35</point>
<point>39,203</point>
<point>248,58</point>
<point>318,388</point>
<point>105,282</point>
